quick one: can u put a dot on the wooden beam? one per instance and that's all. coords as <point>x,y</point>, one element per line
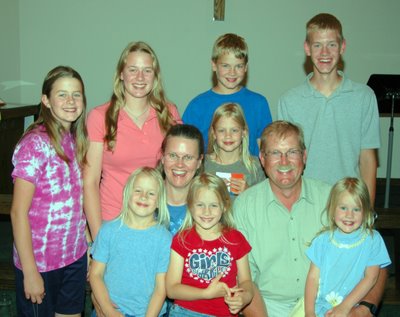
<point>219,10</point>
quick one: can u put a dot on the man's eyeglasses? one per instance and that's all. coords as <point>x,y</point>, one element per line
<point>293,154</point>
<point>173,157</point>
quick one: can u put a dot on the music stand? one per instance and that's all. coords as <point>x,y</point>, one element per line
<point>387,90</point>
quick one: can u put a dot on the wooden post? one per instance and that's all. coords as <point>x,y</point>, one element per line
<point>219,10</point>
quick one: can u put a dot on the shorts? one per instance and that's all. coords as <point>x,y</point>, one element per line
<point>178,311</point>
<point>64,287</point>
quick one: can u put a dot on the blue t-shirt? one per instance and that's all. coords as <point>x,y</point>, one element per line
<point>342,259</point>
<point>176,216</point>
<point>133,258</point>
<point>200,111</point>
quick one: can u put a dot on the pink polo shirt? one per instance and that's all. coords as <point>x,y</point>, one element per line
<point>134,148</point>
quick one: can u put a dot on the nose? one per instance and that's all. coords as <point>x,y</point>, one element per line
<point>143,196</point>
<point>349,214</point>
<point>283,158</point>
<point>324,50</point>
<point>70,99</point>
<point>207,211</point>
<point>140,74</point>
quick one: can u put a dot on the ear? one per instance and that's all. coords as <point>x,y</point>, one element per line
<point>199,161</point>
<point>46,101</point>
<point>307,49</point>
<point>213,66</point>
<point>343,47</point>
<point>304,157</point>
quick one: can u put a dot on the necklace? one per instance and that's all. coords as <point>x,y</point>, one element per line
<point>348,246</point>
<point>135,117</point>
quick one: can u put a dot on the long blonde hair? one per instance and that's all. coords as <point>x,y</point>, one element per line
<point>54,128</point>
<point>233,111</point>
<point>156,97</point>
<point>161,213</point>
<point>358,190</point>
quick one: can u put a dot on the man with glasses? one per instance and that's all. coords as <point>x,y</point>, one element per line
<point>279,217</point>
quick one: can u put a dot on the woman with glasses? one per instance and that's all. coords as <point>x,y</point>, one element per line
<point>181,160</point>
<point>125,133</point>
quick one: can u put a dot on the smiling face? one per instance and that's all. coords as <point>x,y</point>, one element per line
<point>324,49</point>
<point>284,172</point>
<point>179,171</point>
<point>65,101</point>
<point>228,135</point>
<point>138,75</point>
<point>144,198</point>
<point>348,213</point>
<point>207,211</point>
<point>230,72</point>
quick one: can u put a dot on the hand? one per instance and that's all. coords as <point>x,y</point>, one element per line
<point>236,300</point>
<point>337,311</point>
<point>34,287</point>
<point>238,185</point>
<point>216,288</point>
<point>360,311</point>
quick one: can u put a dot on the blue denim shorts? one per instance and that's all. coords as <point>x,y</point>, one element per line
<point>178,311</point>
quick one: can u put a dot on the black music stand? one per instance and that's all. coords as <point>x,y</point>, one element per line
<point>387,90</point>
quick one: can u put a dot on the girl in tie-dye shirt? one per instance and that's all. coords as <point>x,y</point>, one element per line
<point>47,215</point>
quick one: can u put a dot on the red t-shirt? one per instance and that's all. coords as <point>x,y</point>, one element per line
<point>204,260</point>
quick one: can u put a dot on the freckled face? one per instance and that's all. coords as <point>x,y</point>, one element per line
<point>138,75</point>
<point>66,100</point>
<point>230,72</point>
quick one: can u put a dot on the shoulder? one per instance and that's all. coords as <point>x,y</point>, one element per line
<point>254,195</point>
<point>316,187</point>
<point>162,233</point>
<point>35,140</point>
<point>294,92</point>
<point>252,94</point>
<point>98,112</point>
<point>201,97</point>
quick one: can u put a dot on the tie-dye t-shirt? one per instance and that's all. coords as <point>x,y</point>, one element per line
<point>56,214</point>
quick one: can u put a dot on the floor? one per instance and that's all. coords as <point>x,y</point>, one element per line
<point>390,307</point>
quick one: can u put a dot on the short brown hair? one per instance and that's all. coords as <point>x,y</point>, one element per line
<point>230,43</point>
<point>282,129</point>
<point>324,21</point>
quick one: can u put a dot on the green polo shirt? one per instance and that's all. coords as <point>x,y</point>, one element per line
<point>279,237</point>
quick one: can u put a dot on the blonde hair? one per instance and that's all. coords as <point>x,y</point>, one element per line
<point>218,187</point>
<point>54,128</point>
<point>161,213</point>
<point>324,21</point>
<point>282,129</point>
<point>233,111</point>
<point>156,97</point>
<point>358,190</point>
<point>230,43</point>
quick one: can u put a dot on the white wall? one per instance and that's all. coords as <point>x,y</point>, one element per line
<point>90,34</point>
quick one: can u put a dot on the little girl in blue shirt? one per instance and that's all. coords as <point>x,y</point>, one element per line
<point>131,253</point>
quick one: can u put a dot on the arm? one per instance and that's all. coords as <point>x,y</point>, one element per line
<point>177,290</point>
<point>368,164</point>
<point>242,295</point>
<point>310,293</point>
<point>99,289</point>
<point>374,296</point>
<point>22,199</point>
<point>158,296</point>
<point>256,308</point>
<point>361,289</point>
<point>91,187</point>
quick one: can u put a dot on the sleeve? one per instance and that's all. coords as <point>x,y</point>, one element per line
<point>96,125</point>
<point>177,244</point>
<point>265,116</point>
<point>379,254</point>
<point>244,245</point>
<point>282,110</point>
<point>165,249</point>
<point>101,246</point>
<point>30,157</point>
<point>316,251</point>
<point>175,113</point>
<point>370,134</point>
